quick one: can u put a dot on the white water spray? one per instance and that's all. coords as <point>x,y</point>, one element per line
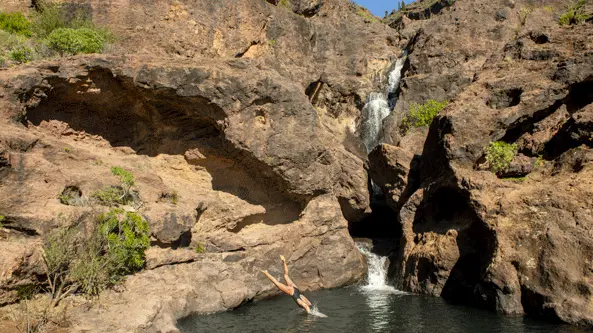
<point>395,75</point>
<point>377,272</point>
<point>379,106</point>
<point>315,312</point>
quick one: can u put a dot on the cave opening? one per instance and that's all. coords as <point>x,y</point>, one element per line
<point>158,121</point>
<point>505,98</point>
<point>381,225</point>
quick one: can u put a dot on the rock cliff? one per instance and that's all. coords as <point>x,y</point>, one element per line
<point>239,121</point>
<point>518,241</point>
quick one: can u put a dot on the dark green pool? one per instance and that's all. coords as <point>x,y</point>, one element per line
<point>355,310</point>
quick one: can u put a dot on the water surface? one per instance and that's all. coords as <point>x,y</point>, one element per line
<point>355,309</point>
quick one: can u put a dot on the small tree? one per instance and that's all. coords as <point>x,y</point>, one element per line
<point>117,195</point>
<point>126,178</point>
<point>58,251</point>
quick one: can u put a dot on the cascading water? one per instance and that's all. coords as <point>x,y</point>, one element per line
<point>378,293</point>
<point>377,272</point>
<point>379,106</point>
<point>374,111</point>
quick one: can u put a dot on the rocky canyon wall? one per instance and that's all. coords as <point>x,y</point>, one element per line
<point>236,118</point>
<point>519,241</point>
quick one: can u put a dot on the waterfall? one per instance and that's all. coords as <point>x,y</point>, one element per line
<point>379,106</point>
<point>377,272</point>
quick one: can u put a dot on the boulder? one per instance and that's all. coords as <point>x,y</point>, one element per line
<point>390,169</point>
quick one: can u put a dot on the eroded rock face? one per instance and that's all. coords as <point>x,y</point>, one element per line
<point>390,169</point>
<point>518,246</point>
<point>237,120</point>
<point>228,158</point>
<point>318,248</point>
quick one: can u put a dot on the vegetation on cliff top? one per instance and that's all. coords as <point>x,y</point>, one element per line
<point>15,23</point>
<point>49,31</point>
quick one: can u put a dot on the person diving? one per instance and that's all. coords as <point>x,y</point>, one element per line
<point>290,288</point>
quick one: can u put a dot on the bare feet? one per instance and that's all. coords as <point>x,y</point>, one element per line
<point>282,258</point>
<point>264,271</point>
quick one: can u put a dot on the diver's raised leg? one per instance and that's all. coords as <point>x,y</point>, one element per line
<point>304,305</point>
<point>286,277</point>
<point>286,289</point>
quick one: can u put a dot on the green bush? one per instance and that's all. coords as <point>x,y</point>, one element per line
<point>499,155</point>
<point>47,19</point>
<point>16,23</point>
<point>52,29</point>
<point>575,14</point>
<point>59,250</point>
<point>422,114</point>
<point>111,196</point>
<point>15,47</point>
<point>127,239</point>
<point>114,195</point>
<point>51,16</point>
<point>200,248</point>
<point>75,41</point>
<point>88,262</point>
<point>21,54</point>
<point>2,218</point>
<point>126,177</point>
<point>127,181</point>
